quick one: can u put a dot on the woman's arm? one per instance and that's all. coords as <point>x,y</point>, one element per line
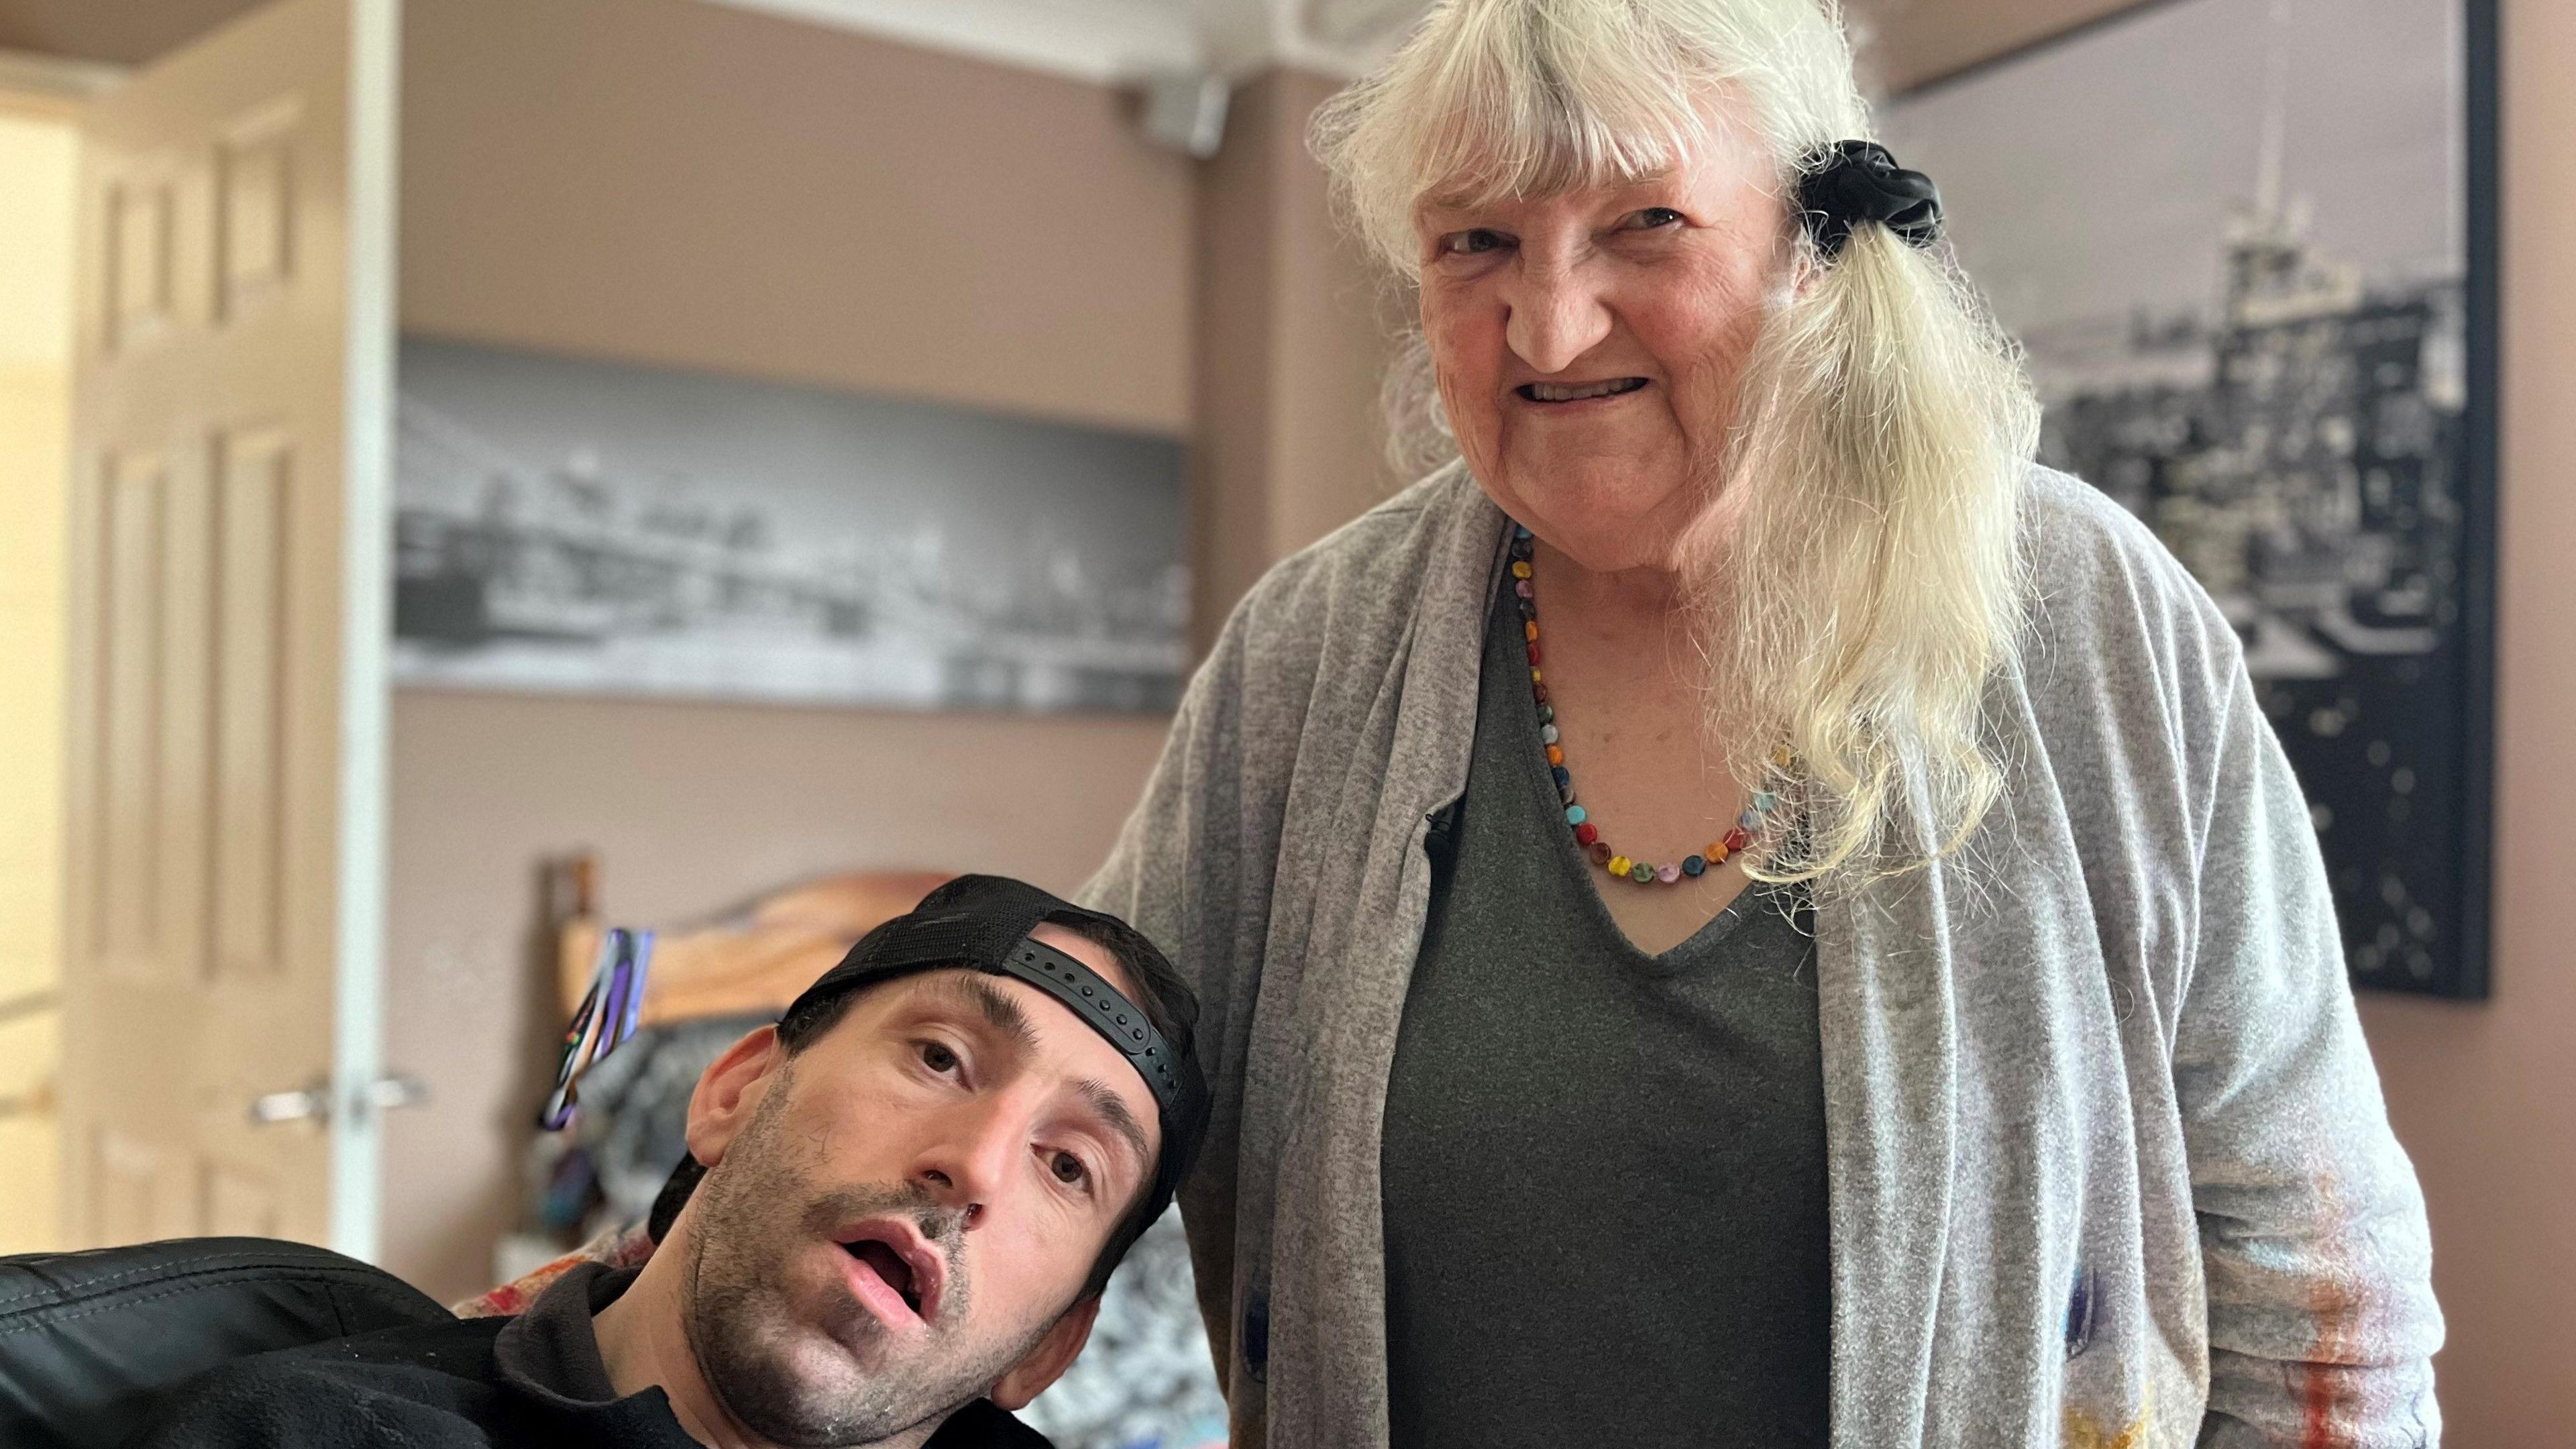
<point>2322,1323</point>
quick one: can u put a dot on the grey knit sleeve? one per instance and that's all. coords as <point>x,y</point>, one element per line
<point>2312,1227</point>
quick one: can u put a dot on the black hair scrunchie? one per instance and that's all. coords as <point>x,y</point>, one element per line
<point>1851,182</point>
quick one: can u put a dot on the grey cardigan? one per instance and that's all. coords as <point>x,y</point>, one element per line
<point>2109,1162</point>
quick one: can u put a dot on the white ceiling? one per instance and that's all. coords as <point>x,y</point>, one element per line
<point>1117,40</point>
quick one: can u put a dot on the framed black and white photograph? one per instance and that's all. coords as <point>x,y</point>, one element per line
<point>2250,247</point>
<point>573,526</point>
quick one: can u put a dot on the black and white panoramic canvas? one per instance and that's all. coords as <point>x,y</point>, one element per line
<point>594,528</point>
<point>2248,244</point>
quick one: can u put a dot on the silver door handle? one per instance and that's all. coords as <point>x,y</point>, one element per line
<point>313,1103</point>
<point>394,1089</point>
<point>310,1104</point>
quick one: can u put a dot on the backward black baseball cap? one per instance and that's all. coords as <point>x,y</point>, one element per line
<point>982,923</point>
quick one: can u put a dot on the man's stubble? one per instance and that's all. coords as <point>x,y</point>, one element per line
<point>757,1208</point>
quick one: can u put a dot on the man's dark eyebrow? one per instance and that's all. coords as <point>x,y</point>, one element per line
<point>999,1011</point>
<point>1113,1110</point>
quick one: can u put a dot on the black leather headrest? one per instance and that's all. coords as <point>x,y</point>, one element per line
<point>88,1339</point>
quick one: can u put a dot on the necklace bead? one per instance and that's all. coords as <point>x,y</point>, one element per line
<point>1587,834</point>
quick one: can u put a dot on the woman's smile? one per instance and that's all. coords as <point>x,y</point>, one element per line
<point>1558,395</point>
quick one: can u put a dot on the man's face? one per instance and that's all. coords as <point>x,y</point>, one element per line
<point>910,1205</point>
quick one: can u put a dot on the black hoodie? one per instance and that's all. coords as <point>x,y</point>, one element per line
<point>474,1383</point>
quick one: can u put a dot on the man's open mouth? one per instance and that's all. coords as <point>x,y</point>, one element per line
<point>894,1265</point>
<point>1551,392</point>
<point>890,1266</point>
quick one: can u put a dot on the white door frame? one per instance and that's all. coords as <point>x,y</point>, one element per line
<point>366,581</point>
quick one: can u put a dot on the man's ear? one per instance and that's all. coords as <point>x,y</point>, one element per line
<point>729,1091</point>
<point>1047,1362</point>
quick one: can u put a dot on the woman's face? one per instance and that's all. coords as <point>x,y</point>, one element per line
<point>1589,346</point>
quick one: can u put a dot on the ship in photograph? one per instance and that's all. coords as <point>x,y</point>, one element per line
<point>572,526</point>
<point>2247,303</point>
<point>2310,484</point>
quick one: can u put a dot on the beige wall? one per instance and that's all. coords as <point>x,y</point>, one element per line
<point>2483,1095</point>
<point>673,181</point>
<point>1293,332</point>
<point>677,182</point>
<point>38,178</point>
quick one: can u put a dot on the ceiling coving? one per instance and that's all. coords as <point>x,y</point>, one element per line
<point>1116,41</point>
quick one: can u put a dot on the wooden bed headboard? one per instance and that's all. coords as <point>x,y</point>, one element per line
<point>756,960</point>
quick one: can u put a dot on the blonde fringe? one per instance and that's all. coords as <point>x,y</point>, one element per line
<point>1493,98</point>
<point>1854,578</point>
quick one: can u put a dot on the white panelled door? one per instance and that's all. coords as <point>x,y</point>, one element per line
<point>225,737</point>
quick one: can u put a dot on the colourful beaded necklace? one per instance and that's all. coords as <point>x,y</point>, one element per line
<point>1748,826</point>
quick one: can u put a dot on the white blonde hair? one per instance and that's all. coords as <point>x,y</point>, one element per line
<point>1854,576</point>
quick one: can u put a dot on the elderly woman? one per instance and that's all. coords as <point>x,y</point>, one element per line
<point>1742,911</point>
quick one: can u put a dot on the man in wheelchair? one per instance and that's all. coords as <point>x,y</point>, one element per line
<point>898,1211</point>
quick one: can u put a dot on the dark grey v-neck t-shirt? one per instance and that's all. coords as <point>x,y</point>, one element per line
<point>1604,1172</point>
